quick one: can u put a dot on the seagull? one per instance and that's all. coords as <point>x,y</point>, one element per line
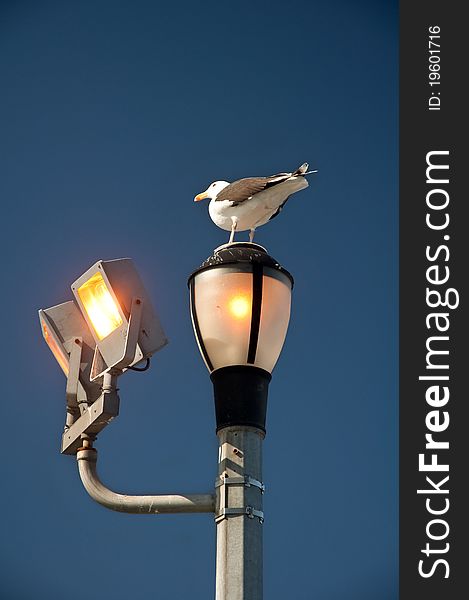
<point>251,202</point>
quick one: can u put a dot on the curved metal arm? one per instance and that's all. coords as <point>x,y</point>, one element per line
<point>190,503</point>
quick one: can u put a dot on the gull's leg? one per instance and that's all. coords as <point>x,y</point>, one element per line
<point>251,234</point>
<point>234,224</point>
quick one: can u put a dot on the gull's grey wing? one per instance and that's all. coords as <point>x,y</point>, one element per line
<point>243,189</point>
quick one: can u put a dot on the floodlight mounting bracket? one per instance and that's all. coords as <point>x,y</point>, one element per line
<point>74,391</point>
<point>132,353</point>
<point>93,419</point>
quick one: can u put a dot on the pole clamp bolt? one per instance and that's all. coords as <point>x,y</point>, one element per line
<point>249,511</point>
<point>247,481</point>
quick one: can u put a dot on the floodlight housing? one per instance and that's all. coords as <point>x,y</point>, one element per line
<point>70,341</point>
<point>120,315</point>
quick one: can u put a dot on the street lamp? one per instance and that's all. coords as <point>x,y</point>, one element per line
<point>240,308</point>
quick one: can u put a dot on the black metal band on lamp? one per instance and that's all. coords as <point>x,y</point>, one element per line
<point>195,323</point>
<point>240,396</point>
<point>257,277</point>
<point>240,308</point>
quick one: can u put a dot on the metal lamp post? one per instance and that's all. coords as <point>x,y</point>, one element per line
<point>240,308</point>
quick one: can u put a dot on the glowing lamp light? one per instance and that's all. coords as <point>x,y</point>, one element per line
<point>102,310</point>
<point>240,306</point>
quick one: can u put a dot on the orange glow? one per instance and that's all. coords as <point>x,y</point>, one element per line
<point>102,311</point>
<point>240,306</point>
<point>58,353</point>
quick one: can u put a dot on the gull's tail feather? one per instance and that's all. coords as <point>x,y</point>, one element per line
<point>303,170</point>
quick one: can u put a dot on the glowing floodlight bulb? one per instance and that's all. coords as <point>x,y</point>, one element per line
<point>57,350</point>
<point>100,306</point>
<point>240,306</point>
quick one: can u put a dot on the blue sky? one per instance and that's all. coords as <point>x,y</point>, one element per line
<point>113,115</point>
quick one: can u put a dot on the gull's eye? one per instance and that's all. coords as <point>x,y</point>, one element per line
<point>213,185</point>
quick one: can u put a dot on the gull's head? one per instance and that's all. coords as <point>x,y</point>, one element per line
<point>212,191</point>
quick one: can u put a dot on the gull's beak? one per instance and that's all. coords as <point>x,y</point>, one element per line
<point>200,197</point>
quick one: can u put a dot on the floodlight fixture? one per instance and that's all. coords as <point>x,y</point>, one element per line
<point>70,341</point>
<point>119,313</point>
<point>111,327</point>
